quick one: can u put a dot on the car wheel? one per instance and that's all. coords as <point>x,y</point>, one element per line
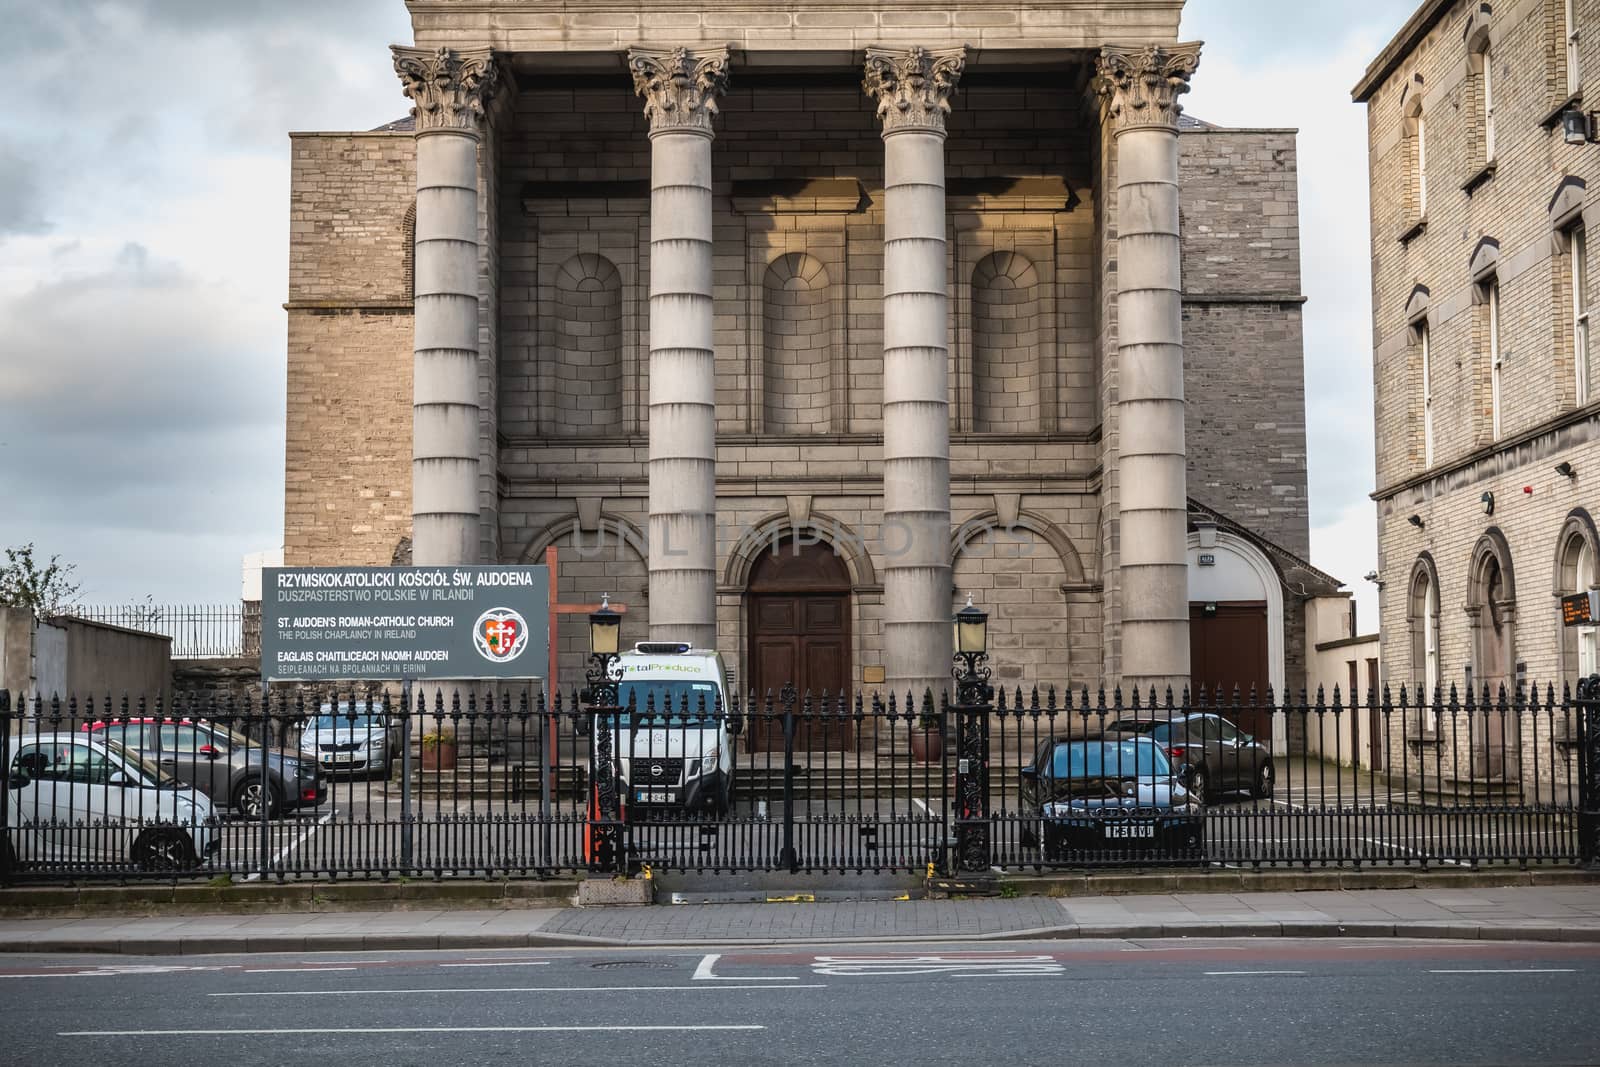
<point>1266,777</point>
<point>1200,785</point>
<point>163,850</point>
<point>247,800</point>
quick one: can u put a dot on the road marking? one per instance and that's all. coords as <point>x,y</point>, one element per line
<point>505,963</point>
<point>518,989</point>
<point>406,1030</point>
<point>1517,970</point>
<point>859,966</point>
<point>121,971</point>
<point>295,970</point>
<point>918,802</point>
<point>1226,974</point>
<point>285,850</point>
<point>1402,848</point>
<point>703,973</point>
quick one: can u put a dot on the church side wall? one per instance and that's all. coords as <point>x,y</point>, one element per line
<point>1244,352</point>
<point>347,495</point>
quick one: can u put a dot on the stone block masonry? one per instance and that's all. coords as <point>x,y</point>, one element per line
<point>347,470</point>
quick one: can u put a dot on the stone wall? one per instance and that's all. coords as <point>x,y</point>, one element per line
<point>347,493</point>
<point>1244,346</point>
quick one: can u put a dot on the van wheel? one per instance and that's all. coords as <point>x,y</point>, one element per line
<point>163,850</point>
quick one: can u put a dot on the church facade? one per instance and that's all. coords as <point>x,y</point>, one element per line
<point>791,325</point>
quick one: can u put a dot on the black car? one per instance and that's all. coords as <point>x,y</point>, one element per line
<point>1220,757</point>
<point>1110,793</point>
<point>222,764</point>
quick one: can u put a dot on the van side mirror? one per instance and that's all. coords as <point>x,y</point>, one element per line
<point>118,778</point>
<point>211,752</point>
<point>1030,774</point>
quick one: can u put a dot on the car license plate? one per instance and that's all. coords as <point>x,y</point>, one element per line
<point>330,761</point>
<point>1119,830</point>
<point>653,796</point>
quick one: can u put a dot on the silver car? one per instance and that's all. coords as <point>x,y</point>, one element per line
<point>78,800</point>
<point>353,739</point>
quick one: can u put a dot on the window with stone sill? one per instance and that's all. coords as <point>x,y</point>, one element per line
<point>1425,343</point>
<point>1496,358</point>
<point>1423,620</point>
<point>1572,42</point>
<point>1578,300</point>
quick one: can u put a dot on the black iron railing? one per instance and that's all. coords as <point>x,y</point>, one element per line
<point>470,784</point>
<point>198,631</point>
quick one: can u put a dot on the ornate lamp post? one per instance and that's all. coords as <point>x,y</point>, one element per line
<point>972,656</point>
<point>605,629</point>
<point>973,705</point>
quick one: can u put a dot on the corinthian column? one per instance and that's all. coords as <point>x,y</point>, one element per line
<point>912,88</point>
<point>1139,88</point>
<point>680,91</point>
<point>448,90</point>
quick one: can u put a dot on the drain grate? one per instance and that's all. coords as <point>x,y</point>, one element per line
<point>637,965</point>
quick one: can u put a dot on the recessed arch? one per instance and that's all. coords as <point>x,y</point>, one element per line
<point>611,526</point>
<point>797,337</point>
<point>1005,344</point>
<point>1577,570</point>
<point>588,363</point>
<point>1047,531</point>
<point>776,527</point>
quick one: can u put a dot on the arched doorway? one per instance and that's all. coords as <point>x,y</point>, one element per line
<point>798,610</point>
<point>1492,611</point>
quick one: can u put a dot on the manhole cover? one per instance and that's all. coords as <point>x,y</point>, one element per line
<point>637,965</point>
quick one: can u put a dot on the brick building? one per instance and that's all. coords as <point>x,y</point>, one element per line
<point>707,300</point>
<point>1488,426</point>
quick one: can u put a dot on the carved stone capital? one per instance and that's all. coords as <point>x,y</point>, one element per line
<point>449,90</point>
<point>1140,86</point>
<point>680,87</point>
<point>913,85</point>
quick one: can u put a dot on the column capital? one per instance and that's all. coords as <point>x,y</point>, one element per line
<point>680,87</point>
<point>448,89</point>
<point>913,85</point>
<point>1140,84</point>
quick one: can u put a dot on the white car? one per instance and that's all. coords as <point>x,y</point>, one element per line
<point>353,738</point>
<point>83,801</point>
<point>673,749</point>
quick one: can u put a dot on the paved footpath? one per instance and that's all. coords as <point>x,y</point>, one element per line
<point>1553,913</point>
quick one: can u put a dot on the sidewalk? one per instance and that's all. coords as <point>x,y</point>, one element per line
<point>1548,913</point>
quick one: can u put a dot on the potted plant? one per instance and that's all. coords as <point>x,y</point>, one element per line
<point>439,750</point>
<point>927,736</point>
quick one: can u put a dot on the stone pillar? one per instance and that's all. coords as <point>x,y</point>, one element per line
<point>680,91</point>
<point>912,88</point>
<point>1139,88</point>
<point>449,90</point>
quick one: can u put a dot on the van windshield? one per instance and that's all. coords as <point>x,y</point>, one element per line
<point>667,701</point>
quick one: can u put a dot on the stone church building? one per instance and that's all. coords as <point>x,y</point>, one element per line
<point>939,302</point>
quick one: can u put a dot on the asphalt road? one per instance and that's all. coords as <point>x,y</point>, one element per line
<point>1149,1002</point>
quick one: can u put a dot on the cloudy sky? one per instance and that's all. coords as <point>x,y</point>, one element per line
<point>143,258</point>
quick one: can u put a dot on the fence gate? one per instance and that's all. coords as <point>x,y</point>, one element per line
<point>834,788</point>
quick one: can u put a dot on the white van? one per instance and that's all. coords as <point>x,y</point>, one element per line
<point>673,747</point>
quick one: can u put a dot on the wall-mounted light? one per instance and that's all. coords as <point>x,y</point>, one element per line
<point>1488,503</point>
<point>1371,576</point>
<point>1566,470</point>
<point>1577,127</point>
<point>1416,520</point>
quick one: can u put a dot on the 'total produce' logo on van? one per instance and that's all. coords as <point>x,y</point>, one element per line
<point>500,635</point>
